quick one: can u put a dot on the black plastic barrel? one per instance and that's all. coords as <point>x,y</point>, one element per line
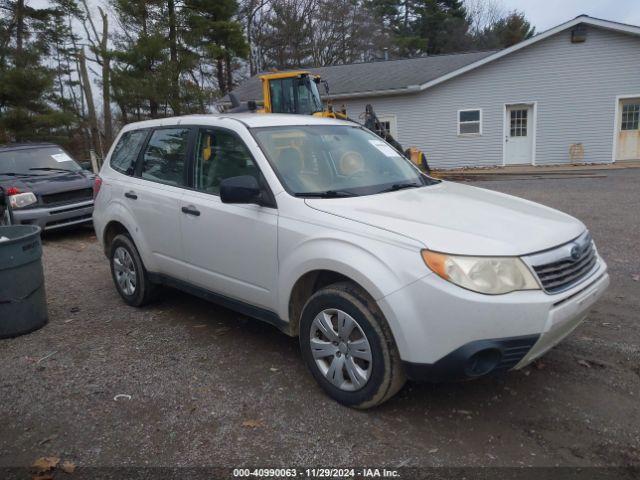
<point>23,305</point>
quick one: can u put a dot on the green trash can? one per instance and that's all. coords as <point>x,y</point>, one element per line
<point>23,305</point>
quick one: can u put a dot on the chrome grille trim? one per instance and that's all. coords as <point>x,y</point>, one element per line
<point>563,267</point>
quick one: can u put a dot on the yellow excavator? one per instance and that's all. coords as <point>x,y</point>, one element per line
<point>297,92</point>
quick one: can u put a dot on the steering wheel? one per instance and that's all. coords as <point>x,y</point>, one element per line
<point>351,164</point>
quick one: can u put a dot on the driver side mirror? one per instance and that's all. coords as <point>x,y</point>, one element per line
<point>86,166</point>
<point>242,189</point>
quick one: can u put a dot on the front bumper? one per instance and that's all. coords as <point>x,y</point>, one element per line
<point>51,218</point>
<point>474,359</point>
<point>440,329</point>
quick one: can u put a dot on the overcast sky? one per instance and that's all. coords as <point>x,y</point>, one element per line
<point>544,14</point>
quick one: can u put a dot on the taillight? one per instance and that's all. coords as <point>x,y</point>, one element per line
<point>97,183</point>
<point>12,191</point>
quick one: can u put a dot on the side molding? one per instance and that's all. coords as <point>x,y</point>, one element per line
<point>241,307</point>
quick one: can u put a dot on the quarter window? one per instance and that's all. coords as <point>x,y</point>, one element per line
<point>630,116</point>
<point>164,157</point>
<point>220,154</point>
<point>469,122</point>
<point>126,151</point>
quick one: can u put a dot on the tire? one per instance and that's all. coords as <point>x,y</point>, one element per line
<point>377,380</point>
<point>143,291</point>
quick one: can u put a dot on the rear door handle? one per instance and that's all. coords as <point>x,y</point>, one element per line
<point>131,195</point>
<point>191,210</point>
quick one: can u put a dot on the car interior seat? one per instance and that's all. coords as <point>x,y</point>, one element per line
<point>290,164</point>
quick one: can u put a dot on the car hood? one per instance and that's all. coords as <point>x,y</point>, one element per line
<point>460,219</point>
<point>50,182</point>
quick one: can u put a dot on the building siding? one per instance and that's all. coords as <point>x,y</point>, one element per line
<point>574,87</point>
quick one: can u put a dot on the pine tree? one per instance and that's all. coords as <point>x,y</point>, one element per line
<point>141,78</point>
<point>217,37</point>
<point>443,25</point>
<point>508,31</point>
<point>425,26</point>
<point>27,94</point>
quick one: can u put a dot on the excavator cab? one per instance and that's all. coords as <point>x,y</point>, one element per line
<point>291,92</point>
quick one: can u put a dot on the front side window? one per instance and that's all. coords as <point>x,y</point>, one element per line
<point>165,155</point>
<point>631,116</point>
<point>335,160</point>
<point>126,151</point>
<point>220,154</point>
<point>37,161</point>
<point>469,122</point>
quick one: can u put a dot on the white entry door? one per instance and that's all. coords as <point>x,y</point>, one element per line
<point>518,139</point>
<point>628,134</point>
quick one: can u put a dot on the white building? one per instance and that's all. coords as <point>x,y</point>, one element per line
<point>568,95</point>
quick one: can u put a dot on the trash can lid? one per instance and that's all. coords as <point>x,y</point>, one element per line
<point>15,233</point>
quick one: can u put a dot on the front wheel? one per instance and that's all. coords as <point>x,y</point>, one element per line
<point>349,348</point>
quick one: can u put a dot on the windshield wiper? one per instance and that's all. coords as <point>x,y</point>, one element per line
<point>400,186</point>
<point>53,168</point>
<point>327,194</point>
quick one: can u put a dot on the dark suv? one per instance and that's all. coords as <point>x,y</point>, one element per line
<point>44,186</point>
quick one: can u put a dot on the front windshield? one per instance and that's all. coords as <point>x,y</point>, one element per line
<point>36,161</point>
<point>336,160</point>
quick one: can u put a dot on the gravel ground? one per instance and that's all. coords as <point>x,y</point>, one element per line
<point>210,387</point>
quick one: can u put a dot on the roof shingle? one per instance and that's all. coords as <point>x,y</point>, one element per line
<point>375,76</point>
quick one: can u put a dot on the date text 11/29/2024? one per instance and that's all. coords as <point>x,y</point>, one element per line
<point>345,473</point>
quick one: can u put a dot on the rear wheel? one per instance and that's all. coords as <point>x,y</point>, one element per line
<point>348,346</point>
<point>129,275</point>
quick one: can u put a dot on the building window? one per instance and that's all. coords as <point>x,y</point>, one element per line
<point>470,122</point>
<point>630,116</point>
<point>518,123</point>
<point>389,122</point>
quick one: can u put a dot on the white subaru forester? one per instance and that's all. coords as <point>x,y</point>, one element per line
<point>322,229</point>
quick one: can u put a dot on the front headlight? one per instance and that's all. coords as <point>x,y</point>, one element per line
<point>489,275</point>
<point>20,200</point>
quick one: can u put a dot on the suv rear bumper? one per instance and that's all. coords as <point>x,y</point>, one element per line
<point>51,218</point>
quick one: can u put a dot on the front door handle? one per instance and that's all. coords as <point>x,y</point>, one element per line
<point>191,210</point>
<point>131,195</point>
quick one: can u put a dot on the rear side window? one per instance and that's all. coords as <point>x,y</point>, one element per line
<point>165,155</point>
<point>126,151</point>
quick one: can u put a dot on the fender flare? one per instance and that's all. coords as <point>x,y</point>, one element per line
<point>346,258</point>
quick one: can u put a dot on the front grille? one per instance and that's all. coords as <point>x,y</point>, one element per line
<point>68,197</point>
<point>577,261</point>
